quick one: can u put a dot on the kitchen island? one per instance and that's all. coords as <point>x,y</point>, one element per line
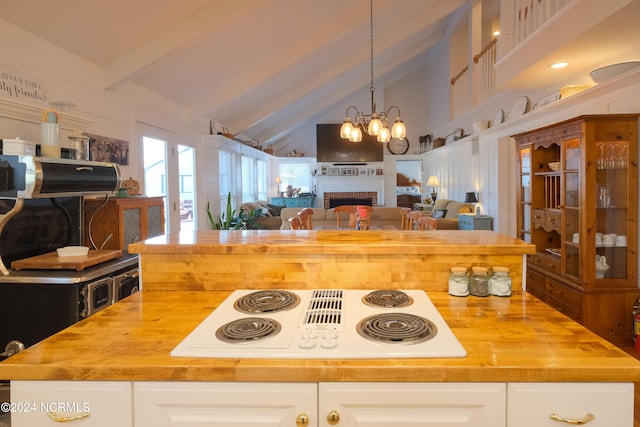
<point>513,344</point>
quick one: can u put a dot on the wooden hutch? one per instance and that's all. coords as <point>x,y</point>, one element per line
<point>577,204</point>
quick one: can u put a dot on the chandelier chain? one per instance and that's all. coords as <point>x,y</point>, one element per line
<point>377,125</point>
<point>371,37</point>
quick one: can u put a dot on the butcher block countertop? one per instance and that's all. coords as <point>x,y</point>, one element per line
<point>186,276</point>
<point>368,242</point>
<point>509,339</point>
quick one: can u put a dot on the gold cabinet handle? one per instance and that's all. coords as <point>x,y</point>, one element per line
<point>60,419</point>
<point>333,417</point>
<point>302,420</point>
<point>576,422</point>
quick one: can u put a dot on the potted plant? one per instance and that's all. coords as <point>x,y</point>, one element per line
<point>232,220</point>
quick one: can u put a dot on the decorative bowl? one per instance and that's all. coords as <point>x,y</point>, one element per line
<point>605,73</point>
<point>72,251</point>
<point>554,166</point>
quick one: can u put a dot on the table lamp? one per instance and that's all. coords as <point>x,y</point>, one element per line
<point>472,200</point>
<point>433,182</point>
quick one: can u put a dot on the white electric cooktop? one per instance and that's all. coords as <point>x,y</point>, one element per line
<point>323,324</point>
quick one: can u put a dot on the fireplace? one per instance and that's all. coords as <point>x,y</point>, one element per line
<point>333,199</point>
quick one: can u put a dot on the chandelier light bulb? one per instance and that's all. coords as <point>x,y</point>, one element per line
<point>384,135</point>
<point>346,129</point>
<point>356,134</point>
<point>399,130</point>
<point>375,125</point>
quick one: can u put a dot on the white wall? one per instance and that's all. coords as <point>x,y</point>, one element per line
<point>69,78</point>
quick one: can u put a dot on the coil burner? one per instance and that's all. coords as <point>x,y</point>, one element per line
<point>267,301</point>
<point>248,330</point>
<point>387,298</point>
<point>396,328</point>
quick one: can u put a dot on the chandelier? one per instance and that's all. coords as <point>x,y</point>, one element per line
<point>375,124</point>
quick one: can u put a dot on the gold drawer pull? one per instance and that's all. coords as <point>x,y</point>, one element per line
<point>333,417</point>
<point>576,422</point>
<point>302,420</point>
<point>60,419</point>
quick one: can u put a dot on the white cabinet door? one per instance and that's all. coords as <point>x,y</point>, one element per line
<point>87,403</point>
<point>532,404</point>
<point>413,404</point>
<point>237,404</point>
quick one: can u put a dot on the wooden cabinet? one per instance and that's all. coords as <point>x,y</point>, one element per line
<point>577,204</point>
<point>125,219</point>
<point>86,403</point>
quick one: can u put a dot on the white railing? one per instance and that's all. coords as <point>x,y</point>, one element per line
<point>484,74</point>
<point>459,94</point>
<point>529,15</point>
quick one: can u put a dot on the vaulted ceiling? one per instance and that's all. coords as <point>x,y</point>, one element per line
<point>260,67</point>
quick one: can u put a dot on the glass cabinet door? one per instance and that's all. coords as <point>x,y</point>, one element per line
<point>571,207</point>
<point>524,208</point>
<point>612,195</point>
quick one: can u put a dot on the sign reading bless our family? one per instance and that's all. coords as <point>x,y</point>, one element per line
<point>20,86</point>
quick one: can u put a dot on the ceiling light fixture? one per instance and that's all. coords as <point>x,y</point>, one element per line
<point>377,125</point>
<point>557,65</point>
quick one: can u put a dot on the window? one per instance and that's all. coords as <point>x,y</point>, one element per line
<point>225,164</point>
<point>261,171</point>
<point>248,180</point>
<point>297,174</point>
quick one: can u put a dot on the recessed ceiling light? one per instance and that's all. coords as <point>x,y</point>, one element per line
<point>558,65</point>
<point>496,33</point>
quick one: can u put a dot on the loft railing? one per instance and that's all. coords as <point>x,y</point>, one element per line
<point>484,73</point>
<point>526,17</point>
<point>459,93</point>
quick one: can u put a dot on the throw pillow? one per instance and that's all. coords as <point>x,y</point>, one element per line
<point>438,213</point>
<point>274,209</point>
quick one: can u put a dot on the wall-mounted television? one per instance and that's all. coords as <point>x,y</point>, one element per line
<point>331,148</point>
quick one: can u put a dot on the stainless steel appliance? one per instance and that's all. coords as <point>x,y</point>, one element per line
<point>37,304</point>
<point>323,323</point>
<point>41,209</point>
<point>38,177</point>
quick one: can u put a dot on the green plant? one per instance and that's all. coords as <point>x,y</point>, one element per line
<point>230,220</point>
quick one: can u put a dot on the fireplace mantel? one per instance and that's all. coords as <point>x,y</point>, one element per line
<point>350,184</point>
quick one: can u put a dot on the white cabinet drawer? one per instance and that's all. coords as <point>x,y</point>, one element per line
<point>224,404</point>
<point>413,404</point>
<point>95,403</point>
<point>531,404</point>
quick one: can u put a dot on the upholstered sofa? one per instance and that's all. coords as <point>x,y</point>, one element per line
<point>326,218</point>
<point>444,215</point>
<point>270,219</point>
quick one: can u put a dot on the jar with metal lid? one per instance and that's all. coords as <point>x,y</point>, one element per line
<point>458,282</point>
<point>500,282</point>
<point>479,282</point>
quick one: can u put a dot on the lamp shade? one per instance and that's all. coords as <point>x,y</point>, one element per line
<point>433,181</point>
<point>471,197</point>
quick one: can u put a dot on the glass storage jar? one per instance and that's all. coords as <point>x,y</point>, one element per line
<point>500,282</point>
<point>458,282</point>
<point>479,282</point>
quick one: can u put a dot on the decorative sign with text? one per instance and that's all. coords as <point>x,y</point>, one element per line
<point>20,86</point>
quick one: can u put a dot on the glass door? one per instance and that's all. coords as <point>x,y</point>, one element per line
<point>571,232</point>
<point>524,208</point>
<point>169,170</point>
<point>612,195</point>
